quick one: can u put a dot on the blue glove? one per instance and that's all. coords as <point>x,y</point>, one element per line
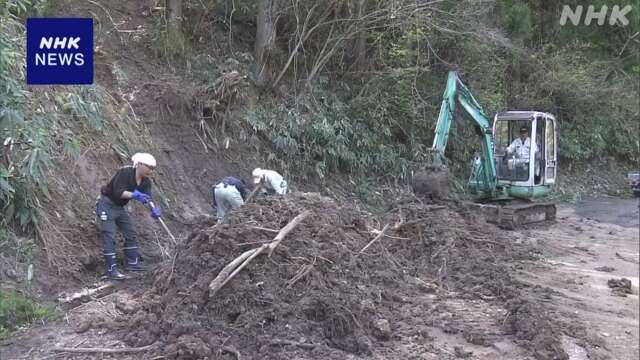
<point>141,197</point>
<point>156,212</point>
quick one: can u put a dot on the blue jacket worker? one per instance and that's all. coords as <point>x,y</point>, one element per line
<point>229,193</point>
<point>130,182</point>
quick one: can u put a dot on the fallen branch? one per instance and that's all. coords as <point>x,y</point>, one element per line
<point>381,234</point>
<point>84,293</point>
<point>278,342</point>
<point>408,223</point>
<point>219,281</point>
<point>304,270</point>
<point>232,269</point>
<point>286,230</point>
<point>173,267</point>
<point>264,229</point>
<point>103,350</point>
<point>256,252</point>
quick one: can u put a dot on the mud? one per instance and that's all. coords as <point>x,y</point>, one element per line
<point>533,326</point>
<point>347,303</point>
<point>620,287</point>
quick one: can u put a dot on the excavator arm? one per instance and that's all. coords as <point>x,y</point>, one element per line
<point>484,175</point>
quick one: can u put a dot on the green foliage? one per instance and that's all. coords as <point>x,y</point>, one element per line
<point>538,23</point>
<point>20,151</point>
<point>84,105</point>
<point>378,131</point>
<point>519,19</point>
<point>29,134</point>
<point>169,42</point>
<point>20,249</point>
<point>17,310</point>
<point>22,7</point>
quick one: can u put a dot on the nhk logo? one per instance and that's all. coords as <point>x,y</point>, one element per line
<point>616,17</point>
<point>59,51</point>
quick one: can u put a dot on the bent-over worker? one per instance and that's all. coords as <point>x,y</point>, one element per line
<point>273,182</point>
<point>229,193</point>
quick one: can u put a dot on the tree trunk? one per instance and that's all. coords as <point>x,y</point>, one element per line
<point>265,37</point>
<point>360,46</point>
<point>174,13</point>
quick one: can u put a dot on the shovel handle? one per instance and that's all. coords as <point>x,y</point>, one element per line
<point>152,205</point>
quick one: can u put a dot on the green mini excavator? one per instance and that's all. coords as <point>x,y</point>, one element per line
<point>516,166</point>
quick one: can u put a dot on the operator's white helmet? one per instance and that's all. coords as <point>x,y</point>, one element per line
<point>143,158</point>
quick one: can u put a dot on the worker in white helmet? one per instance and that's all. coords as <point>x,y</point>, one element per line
<point>130,182</point>
<point>273,182</point>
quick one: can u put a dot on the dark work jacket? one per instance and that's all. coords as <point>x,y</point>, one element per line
<point>232,181</point>
<point>125,180</point>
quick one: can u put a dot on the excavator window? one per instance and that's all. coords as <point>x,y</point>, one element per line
<point>510,165</point>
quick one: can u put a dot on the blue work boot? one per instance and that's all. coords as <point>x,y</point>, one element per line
<point>133,260</point>
<point>112,270</point>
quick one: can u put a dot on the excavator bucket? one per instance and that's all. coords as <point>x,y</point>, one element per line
<point>431,178</point>
<point>432,182</point>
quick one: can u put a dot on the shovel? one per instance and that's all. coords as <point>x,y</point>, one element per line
<point>152,205</point>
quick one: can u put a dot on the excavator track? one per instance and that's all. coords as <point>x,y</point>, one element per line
<point>512,216</point>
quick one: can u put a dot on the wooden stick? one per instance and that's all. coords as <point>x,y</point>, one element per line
<point>84,293</point>
<point>381,234</point>
<point>279,342</point>
<point>287,229</point>
<point>301,273</point>
<point>173,238</point>
<point>264,229</point>
<point>103,350</point>
<point>217,283</point>
<point>235,272</point>
<point>253,193</point>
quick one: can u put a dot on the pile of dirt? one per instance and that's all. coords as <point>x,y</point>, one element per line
<point>320,295</point>
<point>620,287</point>
<point>530,323</point>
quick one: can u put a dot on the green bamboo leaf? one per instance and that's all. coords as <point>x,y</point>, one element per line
<point>32,162</point>
<point>6,187</point>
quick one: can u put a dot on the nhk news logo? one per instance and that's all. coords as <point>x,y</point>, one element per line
<point>59,51</point>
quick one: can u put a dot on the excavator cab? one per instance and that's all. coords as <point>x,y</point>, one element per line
<point>524,150</point>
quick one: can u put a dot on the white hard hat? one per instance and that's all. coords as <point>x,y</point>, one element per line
<point>257,175</point>
<point>143,158</point>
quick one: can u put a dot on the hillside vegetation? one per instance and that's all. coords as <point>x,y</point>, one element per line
<point>325,88</point>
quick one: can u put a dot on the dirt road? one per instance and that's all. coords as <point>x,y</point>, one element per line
<point>593,242</point>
